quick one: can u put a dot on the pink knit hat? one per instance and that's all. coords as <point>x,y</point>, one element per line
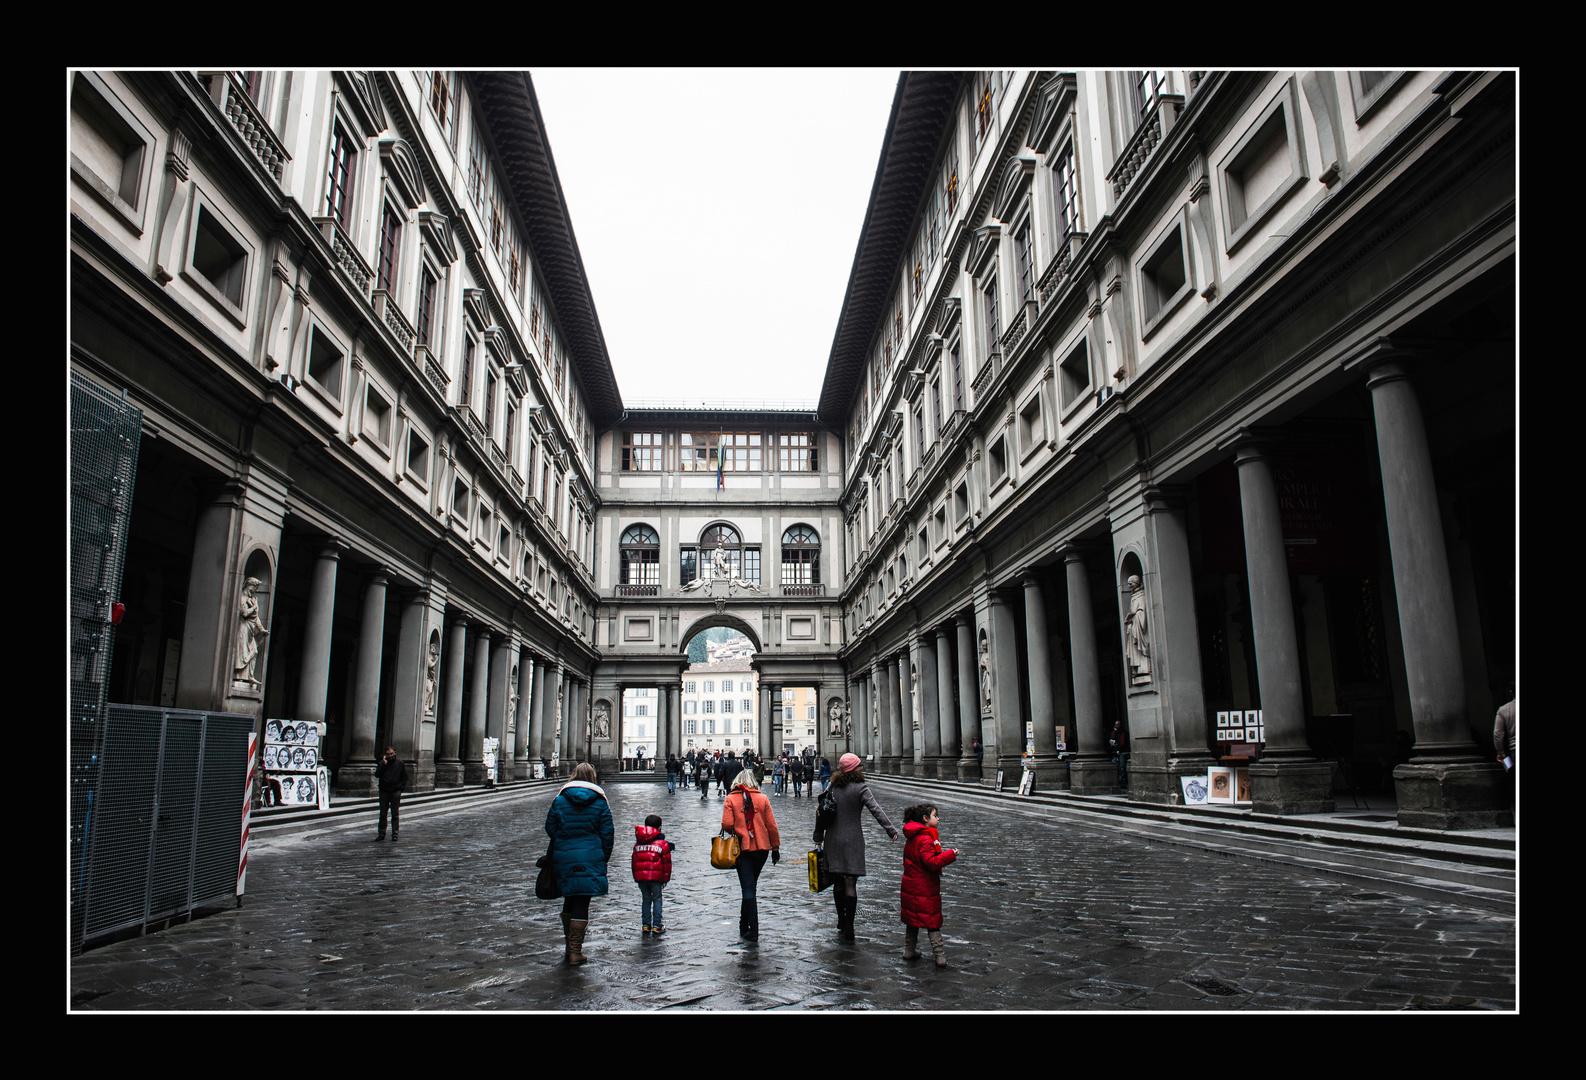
<point>849,762</point>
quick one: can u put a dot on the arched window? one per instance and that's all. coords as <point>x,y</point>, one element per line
<point>801,561</point>
<point>641,561</point>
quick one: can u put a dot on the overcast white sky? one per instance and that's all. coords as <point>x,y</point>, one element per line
<point>717,212</point>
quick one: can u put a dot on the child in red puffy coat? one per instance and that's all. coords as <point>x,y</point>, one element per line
<point>923,860</point>
<point>652,869</point>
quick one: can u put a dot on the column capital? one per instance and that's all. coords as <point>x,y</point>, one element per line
<point>1249,440</point>
<point>1029,578</point>
<point>1379,355</point>
<point>1074,552</point>
<point>332,549</point>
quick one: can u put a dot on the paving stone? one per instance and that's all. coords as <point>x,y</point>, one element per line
<point>1038,914</point>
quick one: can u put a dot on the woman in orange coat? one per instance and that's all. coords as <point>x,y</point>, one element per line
<point>748,816</point>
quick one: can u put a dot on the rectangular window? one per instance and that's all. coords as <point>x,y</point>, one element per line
<point>740,451</point>
<point>751,565</point>
<point>443,105</point>
<point>796,451</point>
<point>958,379</point>
<point>748,707</point>
<point>919,430</point>
<point>490,403</point>
<point>709,706</point>
<point>641,451</point>
<point>512,433</point>
<point>710,686</point>
<point>1023,259</point>
<point>726,705</point>
<point>689,726</point>
<point>426,312</point>
<point>1144,89</point>
<point>688,570</point>
<point>936,408</point>
<point>390,239</point>
<point>338,182</point>
<point>1065,185</point>
<point>688,687</point>
<point>466,375</point>
<point>993,328</point>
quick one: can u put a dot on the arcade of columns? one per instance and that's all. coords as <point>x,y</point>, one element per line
<point>516,694</point>
<point>906,715</point>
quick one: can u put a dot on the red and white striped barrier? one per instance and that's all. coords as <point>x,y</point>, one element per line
<point>247,811</point>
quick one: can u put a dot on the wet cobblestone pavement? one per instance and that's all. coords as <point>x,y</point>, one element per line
<point>1040,914</point>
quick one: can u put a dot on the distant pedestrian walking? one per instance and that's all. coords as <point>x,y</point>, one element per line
<point>795,772</point>
<point>844,839</point>
<point>923,861</point>
<point>579,825</point>
<point>673,767</point>
<point>702,776</point>
<point>652,869</point>
<point>779,772</point>
<point>748,816</point>
<point>826,774</point>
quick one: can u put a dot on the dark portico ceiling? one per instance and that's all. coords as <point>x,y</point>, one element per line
<point>512,115</point>
<point>920,111</point>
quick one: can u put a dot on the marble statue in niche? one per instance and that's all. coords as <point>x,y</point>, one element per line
<point>1137,635</point>
<point>250,634</point>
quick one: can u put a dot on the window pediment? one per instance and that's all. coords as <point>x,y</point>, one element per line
<point>931,354</point>
<point>1053,104</point>
<point>952,309</point>
<point>438,235</point>
<point>363,101</point>
<point>982,249</point>
<point>402,169</point>
<point>1011,186</point>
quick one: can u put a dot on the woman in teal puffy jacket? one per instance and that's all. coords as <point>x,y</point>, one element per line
<point>579,824</point>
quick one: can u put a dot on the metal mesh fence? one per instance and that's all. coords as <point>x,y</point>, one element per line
<point>168,814</point>
<point>104,433</point>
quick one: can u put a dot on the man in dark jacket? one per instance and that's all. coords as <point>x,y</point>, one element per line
<point>795,772</point>
<point>391,773</point>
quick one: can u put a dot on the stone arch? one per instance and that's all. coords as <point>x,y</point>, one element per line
<point>710,620</point>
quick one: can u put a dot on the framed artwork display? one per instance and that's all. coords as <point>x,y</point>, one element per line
<point>1195,790</point>
<point>1222,719</point>
<point>1220,784</point>
<point>1241,785</point>
<point>999,780</point>
<point>1027,782</point>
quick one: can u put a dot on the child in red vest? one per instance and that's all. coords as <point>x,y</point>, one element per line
<point>652,869</point>
<point>923,860</point>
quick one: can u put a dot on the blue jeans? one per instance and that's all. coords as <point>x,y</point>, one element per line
<point>750,863</point>
<point>671,783</point>
<point>650,902</point>
<point>778,785</point>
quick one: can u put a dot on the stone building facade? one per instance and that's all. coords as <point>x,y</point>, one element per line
<point>1156,398</point>
<point>351,308</point>
<point>1167,394</point>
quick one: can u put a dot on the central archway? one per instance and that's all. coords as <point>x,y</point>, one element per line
<point>711,620</point>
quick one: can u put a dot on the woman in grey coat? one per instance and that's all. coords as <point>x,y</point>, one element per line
<point>844,838</point>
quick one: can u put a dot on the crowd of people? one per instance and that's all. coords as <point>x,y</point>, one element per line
<point>583,835</point>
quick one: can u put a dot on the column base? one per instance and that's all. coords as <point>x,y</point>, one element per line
<point>474,772</point>
<point>916,769</point>
<point>1465,795</point>
<point>357,780</point>
<point>1051,774</point>
<point>968,770</point>
<point>521,770</point>
<point>448,774</point>
<point>425,772</point>
<point>1093,777</point>
<point>1154,784</point>
<point>1292,787</point>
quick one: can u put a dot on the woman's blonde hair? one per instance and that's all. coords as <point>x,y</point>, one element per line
<point>746,779</point>
<point>585,772</point>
